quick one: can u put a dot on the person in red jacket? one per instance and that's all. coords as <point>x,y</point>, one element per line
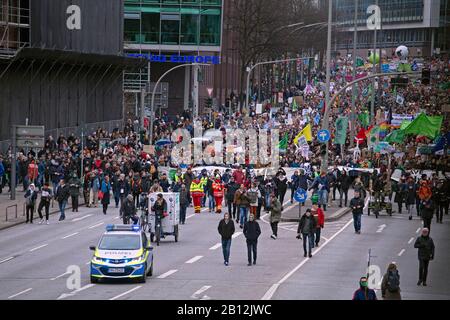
<point>320,221</point>
<point>32,171</point>
<point>239,176</point>
<point>218,194</point>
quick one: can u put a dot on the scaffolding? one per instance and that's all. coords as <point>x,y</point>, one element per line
<point>14,27</point>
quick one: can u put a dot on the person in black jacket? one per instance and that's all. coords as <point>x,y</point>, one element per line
<point>123,188</point>
<point>252,231</point>
<point>427,212</point>
<point>128,210</point>
<point>62,195</point>
<point>425,254</point>
<point>231,187</point>
<point>46,197</point>
<point>307,227</point>
<point>226,230</point>
<point>30,201</point>
<point>357,206</point>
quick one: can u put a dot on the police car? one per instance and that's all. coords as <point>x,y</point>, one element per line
<point>124,252</point>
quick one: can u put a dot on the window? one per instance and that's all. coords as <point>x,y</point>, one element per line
<point>132,27</point>
<point>210,28</point>
<point>189,29</point>
<point>170,28</point>
<point>150,27</point>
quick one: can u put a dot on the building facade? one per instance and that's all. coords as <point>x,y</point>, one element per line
<point>421,25</point>
<point>193,31</point>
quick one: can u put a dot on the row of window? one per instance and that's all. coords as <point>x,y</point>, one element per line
<point>396,37</point>
<point>175,2</point>
<point>173,28</point>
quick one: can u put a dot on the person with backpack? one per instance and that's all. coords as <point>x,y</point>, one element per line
<point>390,286</point>
<point>30,202</point>
<point>275,215</point>
<point>231,189</point>
<point>46,197</point>
<point>318,214</point>
<point>253,195</point>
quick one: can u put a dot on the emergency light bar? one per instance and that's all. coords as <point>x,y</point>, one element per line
<point>115,227</point>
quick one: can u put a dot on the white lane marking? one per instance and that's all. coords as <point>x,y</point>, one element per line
<point>205,297</point>
<point>200,291</point>
<point>324,238</point>
<point>96,225</point>
<point>381,228</point>
<point>168,273</point>
<point>37,248</point>
<point>418,230</point>
<point>190,216</point>
<point>401,252</point>
<point>7,259</point>
<point>411,240</point>
<point>70,235</point>
<point>65,295</point>
<point>61,275</point>
<point>269,294</point>
<point>116,218</point>
<point>125,293</point>
<point>21,292</point>
<point>216,246</point>
<point>366,203</point>
<point>237,234</point>
<point>82,218</point>
<point>194,259</point>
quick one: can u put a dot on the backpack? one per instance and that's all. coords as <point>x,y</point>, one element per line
<point>424,192</point>
<point>393,283</point>
<point>252,196</point>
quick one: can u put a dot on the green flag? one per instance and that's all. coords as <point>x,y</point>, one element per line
<point>284,142</point>
<point>396,136</point>
<point>425,126</point>
<point>359,62</point>
<point>341,130</point>
<point>294,105</point>
<point>405,124</point>
<point>364,119</point>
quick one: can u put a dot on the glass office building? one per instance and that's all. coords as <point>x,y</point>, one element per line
<point>185,23</point>
<point>414,23</point>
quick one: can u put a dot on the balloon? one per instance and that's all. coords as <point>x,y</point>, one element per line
<point>402,52</point>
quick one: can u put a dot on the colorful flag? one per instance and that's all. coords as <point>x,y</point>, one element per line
<point>341,130</point>
<point>383,130</point>
<point>374,137</point>
<point>307,132</point>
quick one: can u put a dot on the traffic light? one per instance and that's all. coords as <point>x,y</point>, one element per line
<point>426,76</point>
<point>208,103</point>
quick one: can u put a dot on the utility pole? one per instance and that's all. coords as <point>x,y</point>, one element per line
<point>327,85</point>
<point>355,40</point>
<point>374,65</point>
<point>195,95</point>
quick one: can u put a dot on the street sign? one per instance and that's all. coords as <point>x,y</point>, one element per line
<point>27,131</point>
<point>300,195</point>
<point>30,142</point>
<point>323,136</point>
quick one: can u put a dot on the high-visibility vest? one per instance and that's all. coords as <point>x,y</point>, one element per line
<point>203,181</point>
<point>217,189</point>
<point>196,187</point>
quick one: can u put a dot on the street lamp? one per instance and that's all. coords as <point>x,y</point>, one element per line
<point>154,92</point>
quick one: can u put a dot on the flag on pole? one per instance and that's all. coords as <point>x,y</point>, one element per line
<point>374,137</point>
<point>317,119</point>
<point>341,130</point>
<point>294,105</point>
<point>307,132</point>
<point>400,100</point>
<point>284,142</point>
<point>364,119</point>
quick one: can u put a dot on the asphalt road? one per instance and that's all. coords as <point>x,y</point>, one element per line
<point>34,260</point>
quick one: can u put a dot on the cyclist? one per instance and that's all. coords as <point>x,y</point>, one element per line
<point>129,210</point>
<point>160,209</point>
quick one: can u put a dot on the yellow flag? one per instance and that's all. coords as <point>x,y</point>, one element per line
<point>305,132</point>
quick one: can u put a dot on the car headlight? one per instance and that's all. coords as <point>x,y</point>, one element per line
<point>97,259</point>
<point>138,259</point>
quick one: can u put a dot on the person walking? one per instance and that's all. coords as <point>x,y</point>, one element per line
<point>441,201</point>
<point>390,286</point>
<point>46,197</point>
<point>306,228</point>
<point>124,189</point>
<point>242,201</point>
<point>294,184</point>
<point>400,194</point>
<point>30,202</point>
<point>357,206</point>
<point>410,195</point>
<point>425,254</point>
<point>62,195</point>
<point>74,190</point>
<point>218,193</point>
<point>253,196</point>
<point>319,216</point>
<point>197,193</point>
<point>364,292</point>
<point>231,189</point>
<point>226,230</point>
<point>275,215</point>
<point>252,231</point>
<point>94,187</point>
<point>128,210</point>
<point>184,203</point>
<point>427,213</point>
<point>106,193</point>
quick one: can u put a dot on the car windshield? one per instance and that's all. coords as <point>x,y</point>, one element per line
<point>120,242</point>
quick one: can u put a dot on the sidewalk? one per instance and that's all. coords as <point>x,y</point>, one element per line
<point>333,212</point>
<point>12,212</point>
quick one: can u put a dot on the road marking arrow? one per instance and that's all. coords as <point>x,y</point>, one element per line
<point>381,228</point>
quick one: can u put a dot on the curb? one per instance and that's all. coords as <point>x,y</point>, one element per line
<point>4,227</point>
<point>335,216</point>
